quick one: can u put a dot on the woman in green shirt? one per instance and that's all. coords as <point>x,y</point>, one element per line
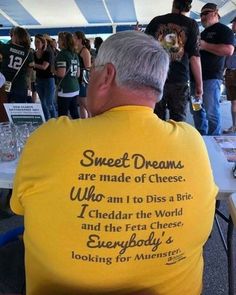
<point>68,71</point>
<point>17,63</point>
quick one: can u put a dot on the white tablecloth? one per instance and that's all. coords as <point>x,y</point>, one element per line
<point>7,172</point>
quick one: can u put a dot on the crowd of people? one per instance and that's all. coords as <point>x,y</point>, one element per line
<point>197,68</point>
<point>57,73</point>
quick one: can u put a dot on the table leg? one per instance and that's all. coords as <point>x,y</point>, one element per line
<point>230,255</point>
<point>228,246</point>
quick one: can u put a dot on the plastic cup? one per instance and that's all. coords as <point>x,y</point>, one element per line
<point>8,142</point>
<point>196,103</point>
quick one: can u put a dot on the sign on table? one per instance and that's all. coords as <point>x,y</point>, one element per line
<point>21,113</point>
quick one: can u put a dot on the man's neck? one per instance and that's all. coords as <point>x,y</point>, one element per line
<point>122,96</point>
<point>177,11</point>
<point>211,24</point>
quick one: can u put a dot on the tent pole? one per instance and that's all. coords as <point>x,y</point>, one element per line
<point>114,29</point>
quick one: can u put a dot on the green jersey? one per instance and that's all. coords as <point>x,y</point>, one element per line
<point>13,56</point>
<point>68,86</point>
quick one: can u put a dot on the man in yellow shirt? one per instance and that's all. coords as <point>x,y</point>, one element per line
<point>121,202</point>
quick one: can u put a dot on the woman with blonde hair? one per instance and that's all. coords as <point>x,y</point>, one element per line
<point>83,50</point>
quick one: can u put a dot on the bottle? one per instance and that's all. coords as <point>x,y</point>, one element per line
<point>196,103</point>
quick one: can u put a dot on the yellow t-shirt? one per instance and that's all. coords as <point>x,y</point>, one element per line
<point>117,203</point>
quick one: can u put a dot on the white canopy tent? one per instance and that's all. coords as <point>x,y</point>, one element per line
<point>93,16</point>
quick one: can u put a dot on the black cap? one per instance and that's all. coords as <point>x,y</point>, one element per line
<point>211,6</point>
<point>233,20</point>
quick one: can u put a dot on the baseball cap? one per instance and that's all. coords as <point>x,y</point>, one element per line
<point>211,6</point>
<point>233,20</point>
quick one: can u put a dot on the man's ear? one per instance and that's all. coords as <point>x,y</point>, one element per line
<point>108,76</point>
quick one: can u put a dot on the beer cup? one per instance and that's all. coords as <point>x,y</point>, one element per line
<point>196,103</point>
<point>7,86</point>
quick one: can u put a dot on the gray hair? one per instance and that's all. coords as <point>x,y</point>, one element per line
<point>139,60</point>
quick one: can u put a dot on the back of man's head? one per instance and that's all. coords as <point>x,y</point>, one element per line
<point>139,60</point>
<point>182,5</point>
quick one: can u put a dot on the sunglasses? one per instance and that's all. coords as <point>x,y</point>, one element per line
<point>205,13</point>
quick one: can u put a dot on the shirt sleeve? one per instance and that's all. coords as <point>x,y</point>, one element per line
<point>18,189</point>
<point>26,172</point>
<point>192,45</point>
<point>60,61</point>
<point>30,171</point>
<point>226,36</point>
<point>222,35</point>
<point>30,59</point>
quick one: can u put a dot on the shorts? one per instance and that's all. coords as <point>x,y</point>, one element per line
<point>230,84</point>
<point>82,89</point>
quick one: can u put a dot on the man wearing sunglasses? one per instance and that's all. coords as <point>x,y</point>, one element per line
<point>216,43</point>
